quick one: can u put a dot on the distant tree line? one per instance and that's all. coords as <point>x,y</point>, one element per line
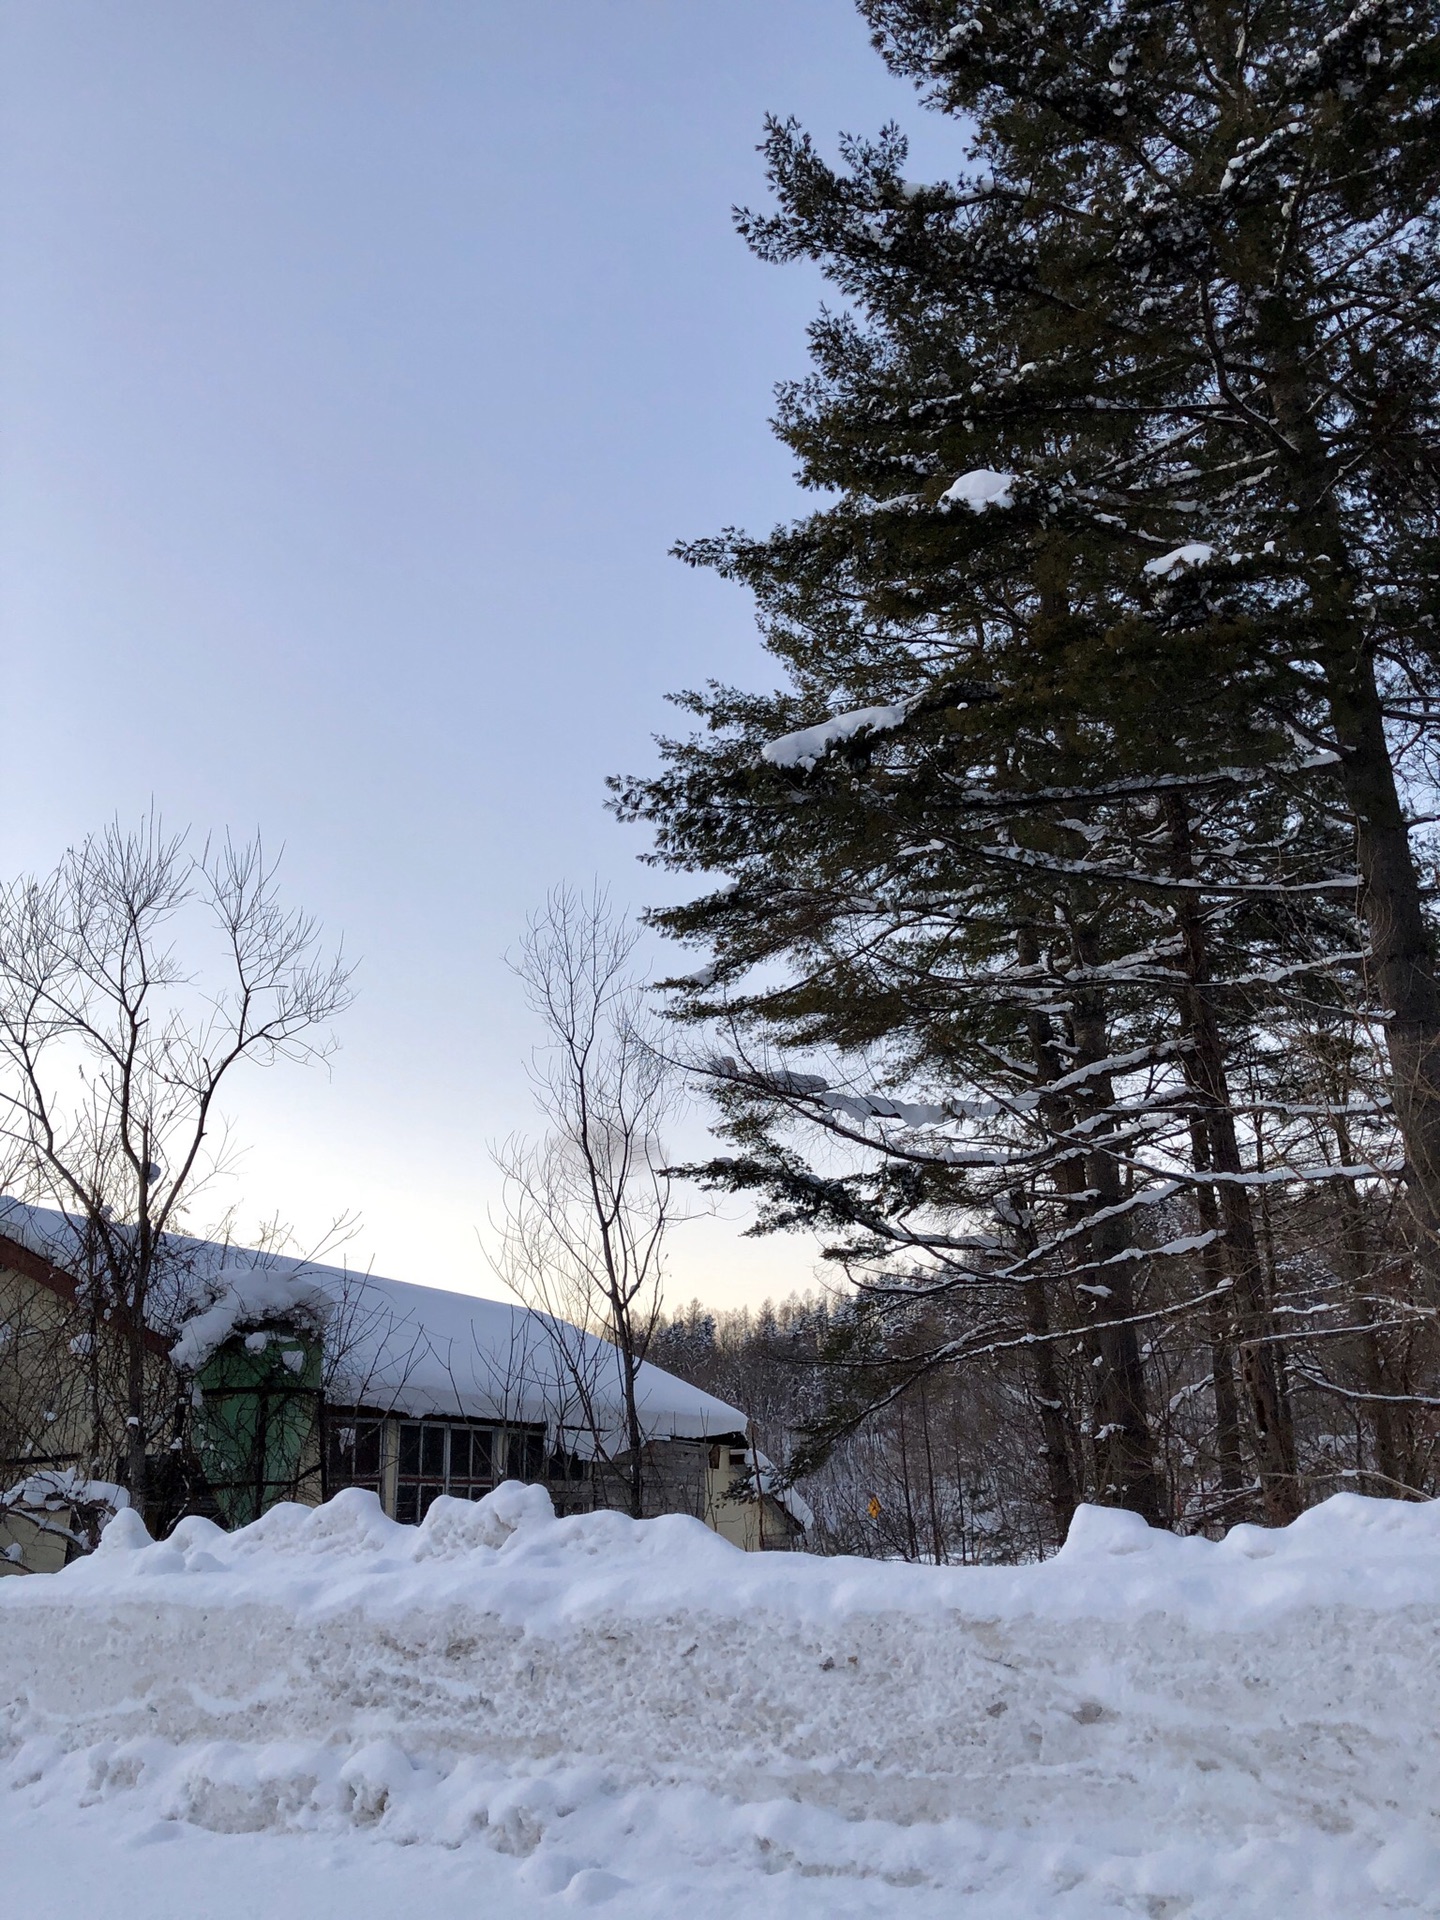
<point>902,1457</point>
<point>939,1475</point>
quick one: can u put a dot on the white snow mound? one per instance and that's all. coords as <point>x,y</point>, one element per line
<point>595,1707</point>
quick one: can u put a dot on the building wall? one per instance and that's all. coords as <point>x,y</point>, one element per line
<point>756,1526</point>
<point>60,1373</point>
<point>62,1379</point>
<point>42,1542</point>
<point>46,1401</point>
<point>696,1477</point>
<point>56,1360</point>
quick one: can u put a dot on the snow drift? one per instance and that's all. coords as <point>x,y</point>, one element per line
<point>1141,1725</point>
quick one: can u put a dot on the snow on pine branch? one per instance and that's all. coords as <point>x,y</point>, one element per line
<point>982,488</point>
<point>1194,553</point>
<point>916,1115</point>
<point>810,744</point>
<point>1163,883</point>
<point>1186,1243</point>
<point>789,1083</point>
<point>1281,1176</point>
<point>987,1342</point>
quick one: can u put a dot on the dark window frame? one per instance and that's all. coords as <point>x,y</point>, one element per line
<point>429,1461</point>
<point>361,1438</point>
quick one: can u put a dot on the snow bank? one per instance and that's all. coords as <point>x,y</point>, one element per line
<point>507,1556</point>
<point>1144,1725</point>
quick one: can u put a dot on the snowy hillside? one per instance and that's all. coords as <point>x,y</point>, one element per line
<point>593,1710</point>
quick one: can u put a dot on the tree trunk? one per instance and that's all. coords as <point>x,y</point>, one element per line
<point>1230,1458</point>
<point>1124,1444</point>
<point>1374,1370</point>
<point>1205,1070</point>
<point>1401,960</point>
<point>911,1535</point>
<point>136,1465</point>
<point>937,1543</point>
<point>634,1433</point>
<point>1402,966</point>
<point>1056,1442</point>
<point>1056,1439</point>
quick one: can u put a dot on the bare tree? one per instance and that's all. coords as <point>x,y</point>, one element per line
<point>581,1235</point>
<point>113,1051</point>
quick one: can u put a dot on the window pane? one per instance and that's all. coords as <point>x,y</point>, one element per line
<point>459,1453</point>
<point>409,1449</point>
<point>525,1456</point>
<point>480,1462</point>
<point>367,1453</point>
<point>353,1454</point>
<point>340,1457</point>
<point>432,1452</point>
<point>428,1497</point>
<point>405,1504</point>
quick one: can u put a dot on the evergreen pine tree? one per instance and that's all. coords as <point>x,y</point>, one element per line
<point>1029,428</point>
<point>1222,219</point>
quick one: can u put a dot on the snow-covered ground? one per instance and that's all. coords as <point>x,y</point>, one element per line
<point>500,1715</point>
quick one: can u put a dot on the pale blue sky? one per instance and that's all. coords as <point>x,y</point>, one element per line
<point>359,362</point>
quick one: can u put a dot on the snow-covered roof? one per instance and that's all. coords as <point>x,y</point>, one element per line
<point>773,1484</point>
<point>401,1348</point>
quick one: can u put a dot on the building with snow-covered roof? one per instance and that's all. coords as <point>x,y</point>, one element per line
<point>278,1378</point>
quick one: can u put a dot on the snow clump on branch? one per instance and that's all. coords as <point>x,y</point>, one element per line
<point>1194,554</point>
<point>810,744</point>
<point>982,488</point>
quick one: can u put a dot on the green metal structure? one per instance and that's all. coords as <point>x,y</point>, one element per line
<point>258,1414</point>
